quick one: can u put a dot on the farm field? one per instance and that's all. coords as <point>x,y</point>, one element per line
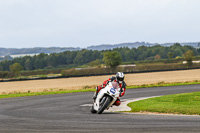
<point>81,82</point>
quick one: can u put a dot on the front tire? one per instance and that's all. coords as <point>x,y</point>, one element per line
<point>92,109</point>
<point>104,105</point>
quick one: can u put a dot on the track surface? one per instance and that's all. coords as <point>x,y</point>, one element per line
<point>63,113</point>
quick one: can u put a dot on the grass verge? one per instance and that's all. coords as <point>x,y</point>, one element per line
<point>186,103</point>
<point>163,84</point>
<point>91,88</point>
<point>18,94</point>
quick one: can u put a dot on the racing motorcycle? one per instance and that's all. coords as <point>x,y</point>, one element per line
<point>106,98</point>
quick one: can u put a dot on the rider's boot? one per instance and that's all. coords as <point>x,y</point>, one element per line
<point>95,93</point>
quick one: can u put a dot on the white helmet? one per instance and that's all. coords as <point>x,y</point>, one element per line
<point>120,76</point>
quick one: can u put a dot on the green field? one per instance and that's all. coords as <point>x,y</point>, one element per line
<point>187,103</point>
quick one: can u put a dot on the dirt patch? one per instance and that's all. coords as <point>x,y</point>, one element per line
<point>79,83</point>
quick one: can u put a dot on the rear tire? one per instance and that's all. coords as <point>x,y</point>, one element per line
<point>104,105</point>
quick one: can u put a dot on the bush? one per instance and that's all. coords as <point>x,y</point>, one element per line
<point>5,74</point>
<point>160,67</point>
<point>16,69</point>
<point>90,71</point>
<point>40,72</point>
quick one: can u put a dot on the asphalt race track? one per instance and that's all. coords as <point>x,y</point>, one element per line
<point>63,113</point>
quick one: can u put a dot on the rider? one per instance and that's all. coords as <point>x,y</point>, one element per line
<point>119,79</point>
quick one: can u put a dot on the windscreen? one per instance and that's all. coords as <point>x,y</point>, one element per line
<point>115,85</point>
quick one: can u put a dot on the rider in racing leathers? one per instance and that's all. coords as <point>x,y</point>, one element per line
<point>120,79</point>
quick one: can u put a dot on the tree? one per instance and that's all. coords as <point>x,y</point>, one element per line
<point>83,56</point>
<point>40,61</point>
<point>112,58</point>
<point>28,64</point>
<point>189,56</point>
<point>15,69</point>
<point>170,55</point>
<point>95,63</point>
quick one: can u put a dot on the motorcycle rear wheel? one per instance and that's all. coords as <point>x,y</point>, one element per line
<point>104,105</point>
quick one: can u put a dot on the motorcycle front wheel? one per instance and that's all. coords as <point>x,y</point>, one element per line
<point>105,104</point>
<point>92,110</point>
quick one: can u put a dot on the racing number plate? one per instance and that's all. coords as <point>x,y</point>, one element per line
<point>112,90</point>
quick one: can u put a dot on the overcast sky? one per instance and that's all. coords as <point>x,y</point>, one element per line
<point>82,23</point>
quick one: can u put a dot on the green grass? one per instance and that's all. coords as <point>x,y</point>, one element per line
<point>163,84</point>
<point>17,94</point>
<point>187,103</point>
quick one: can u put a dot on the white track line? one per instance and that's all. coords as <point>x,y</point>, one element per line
<point>123,106</point>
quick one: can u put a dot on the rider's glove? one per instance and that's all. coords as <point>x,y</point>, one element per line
<point>112,79</point>
<point>108,82</point>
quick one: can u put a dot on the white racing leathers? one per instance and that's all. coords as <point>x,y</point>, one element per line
<point>106,98</point>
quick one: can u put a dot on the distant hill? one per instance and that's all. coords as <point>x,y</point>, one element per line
<point>135,45</point>
<point>13,52</point>
<point>24,51</point>
<point>129,45</point>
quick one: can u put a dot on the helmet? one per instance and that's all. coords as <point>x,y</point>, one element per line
<point>120,77</point>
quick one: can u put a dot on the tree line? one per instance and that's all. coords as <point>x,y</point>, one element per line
<point>54,60</point>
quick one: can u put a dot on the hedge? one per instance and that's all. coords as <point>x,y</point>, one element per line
<point>5,74</point>
<point>128,69</point>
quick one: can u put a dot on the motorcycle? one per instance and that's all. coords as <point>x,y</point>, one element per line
<point>106,98</point>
